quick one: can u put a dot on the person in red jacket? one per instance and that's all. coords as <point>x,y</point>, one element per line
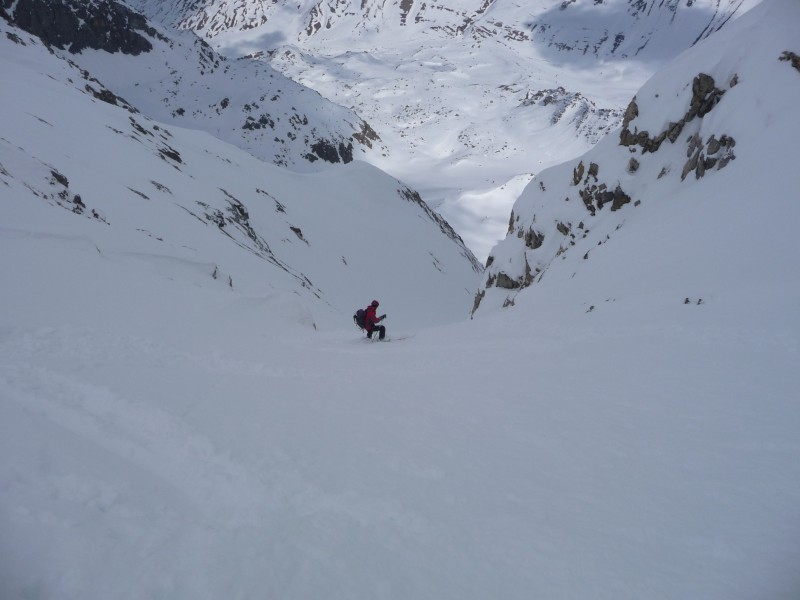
<point>371,321</point>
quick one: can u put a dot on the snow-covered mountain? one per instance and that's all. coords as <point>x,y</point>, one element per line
<point>186,411</point>
<point>91,165</point>
<point>705,148</point>
<point>470,97</point>
<point>174,77</point>
<point>649,30</point>
<point>587,27</point>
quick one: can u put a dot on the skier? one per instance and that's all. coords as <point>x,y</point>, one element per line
<point>372,319</point>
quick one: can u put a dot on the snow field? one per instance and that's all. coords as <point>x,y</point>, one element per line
<point>213,444</point>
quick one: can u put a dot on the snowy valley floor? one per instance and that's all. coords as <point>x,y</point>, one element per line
<point>206,447</point>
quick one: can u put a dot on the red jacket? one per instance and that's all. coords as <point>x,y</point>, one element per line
<point>371,319</point>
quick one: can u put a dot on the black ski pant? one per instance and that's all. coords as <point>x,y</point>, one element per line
<point>380,329</point>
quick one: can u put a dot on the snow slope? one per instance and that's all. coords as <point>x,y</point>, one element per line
<point>221,452</point>
<point>191,205</point>
<point>165,435</point>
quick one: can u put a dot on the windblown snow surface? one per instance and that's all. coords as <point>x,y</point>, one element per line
<point>166,435</point>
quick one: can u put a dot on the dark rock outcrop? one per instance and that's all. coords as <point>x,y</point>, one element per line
<point>506,282</point>
<point>366,136</point>
<point>791,58</point>
<point>716,154</point>
<point>703,157</point>
<point>329,152</point>
<point>534,239</point>
<point>74,26</point>
<point>705,96</point>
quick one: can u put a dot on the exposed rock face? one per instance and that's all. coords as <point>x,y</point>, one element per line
<point>505,282</point>
<point>705,95</point>
<point>594,194</point>
<point>534,239</point>
<point>74,26</point>
<point>366,136</point>
<point>328,152</point>
<point>702,158</point>
<point>630,113</point>
<point>716,153</point>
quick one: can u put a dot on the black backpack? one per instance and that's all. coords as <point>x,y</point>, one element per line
<point>360,318</point>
